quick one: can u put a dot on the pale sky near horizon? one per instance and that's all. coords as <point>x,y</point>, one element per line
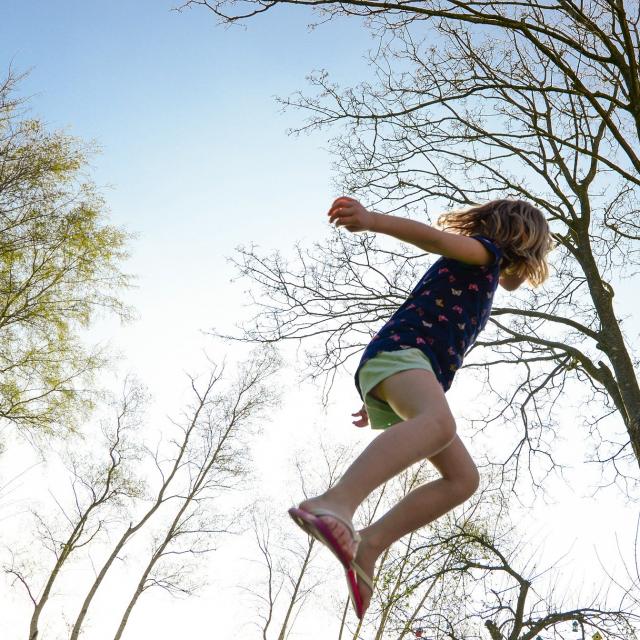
<point>195,161</point>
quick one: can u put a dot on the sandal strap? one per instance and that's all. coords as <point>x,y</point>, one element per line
<point>361,574</point>
<point>326,512</point>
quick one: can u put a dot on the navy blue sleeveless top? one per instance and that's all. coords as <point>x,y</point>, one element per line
<point>443,315</point>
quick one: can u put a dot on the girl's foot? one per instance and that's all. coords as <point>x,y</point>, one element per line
<point>340,526</point>
<point>366,560</point>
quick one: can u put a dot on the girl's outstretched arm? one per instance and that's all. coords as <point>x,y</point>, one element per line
<point>349,213</point>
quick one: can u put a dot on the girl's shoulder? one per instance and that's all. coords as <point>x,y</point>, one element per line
<point>446,269</point>
<point>492,246</point>
<point>452,264</point>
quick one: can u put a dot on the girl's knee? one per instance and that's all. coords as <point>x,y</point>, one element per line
<point>464,478</point>
<point>467,482</point>
<point>471,480</point>
<point>444,426</point>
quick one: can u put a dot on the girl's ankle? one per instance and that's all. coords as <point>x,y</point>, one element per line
<point>338,497</point>
<point>374,546</point>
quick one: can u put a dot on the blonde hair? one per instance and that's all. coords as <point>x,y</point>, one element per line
<point>515,225</point>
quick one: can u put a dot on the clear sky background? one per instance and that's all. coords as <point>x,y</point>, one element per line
<point>195,161</point>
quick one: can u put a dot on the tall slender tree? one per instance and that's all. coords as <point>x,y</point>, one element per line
<point>115,498</point>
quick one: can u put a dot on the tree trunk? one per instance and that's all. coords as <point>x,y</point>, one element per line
<point>613,344</point>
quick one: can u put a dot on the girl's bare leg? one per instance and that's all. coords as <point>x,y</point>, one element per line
<point>429,427</point>
<point>420,507</point>
<point>428,431</point>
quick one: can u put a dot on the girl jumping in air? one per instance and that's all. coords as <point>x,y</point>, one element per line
<point>410,364</point>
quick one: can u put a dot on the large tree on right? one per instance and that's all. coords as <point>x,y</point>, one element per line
<point>473,101</point>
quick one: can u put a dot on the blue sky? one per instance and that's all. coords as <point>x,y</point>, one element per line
<point>195,159</point>
<point>183,109</point>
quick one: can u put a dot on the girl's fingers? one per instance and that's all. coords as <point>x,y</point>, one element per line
<point>343,199</point>
<point>363,418</point>
<point>339,215</point>
<point>340,208</point>
<point>344,216</point>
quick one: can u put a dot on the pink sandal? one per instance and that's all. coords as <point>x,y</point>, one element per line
<point>355,573</point>
<point>315,526</point>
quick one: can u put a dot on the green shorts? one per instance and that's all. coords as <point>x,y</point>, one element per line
<point>380,367</point>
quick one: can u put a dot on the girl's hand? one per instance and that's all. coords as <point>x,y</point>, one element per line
<point>349,213</point>
<point>364,417</point>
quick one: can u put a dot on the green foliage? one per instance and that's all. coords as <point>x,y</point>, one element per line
<point>59,267</point>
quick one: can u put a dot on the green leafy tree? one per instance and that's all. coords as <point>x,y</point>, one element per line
<point>59,267</point>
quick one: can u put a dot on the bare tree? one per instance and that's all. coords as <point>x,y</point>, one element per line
<point>286,565</point>
<point>395,567</point>
<point>529,100</point>
<point>177,514</point>
<point>470,573</point>
<point>216,461</point>
<point>99,489</point>
<point>290,576</point>
<point>485,580</point>
<point>474,569</point>
<point>291,569</point>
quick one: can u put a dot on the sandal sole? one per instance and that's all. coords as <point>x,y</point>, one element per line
<point>316,528</point>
